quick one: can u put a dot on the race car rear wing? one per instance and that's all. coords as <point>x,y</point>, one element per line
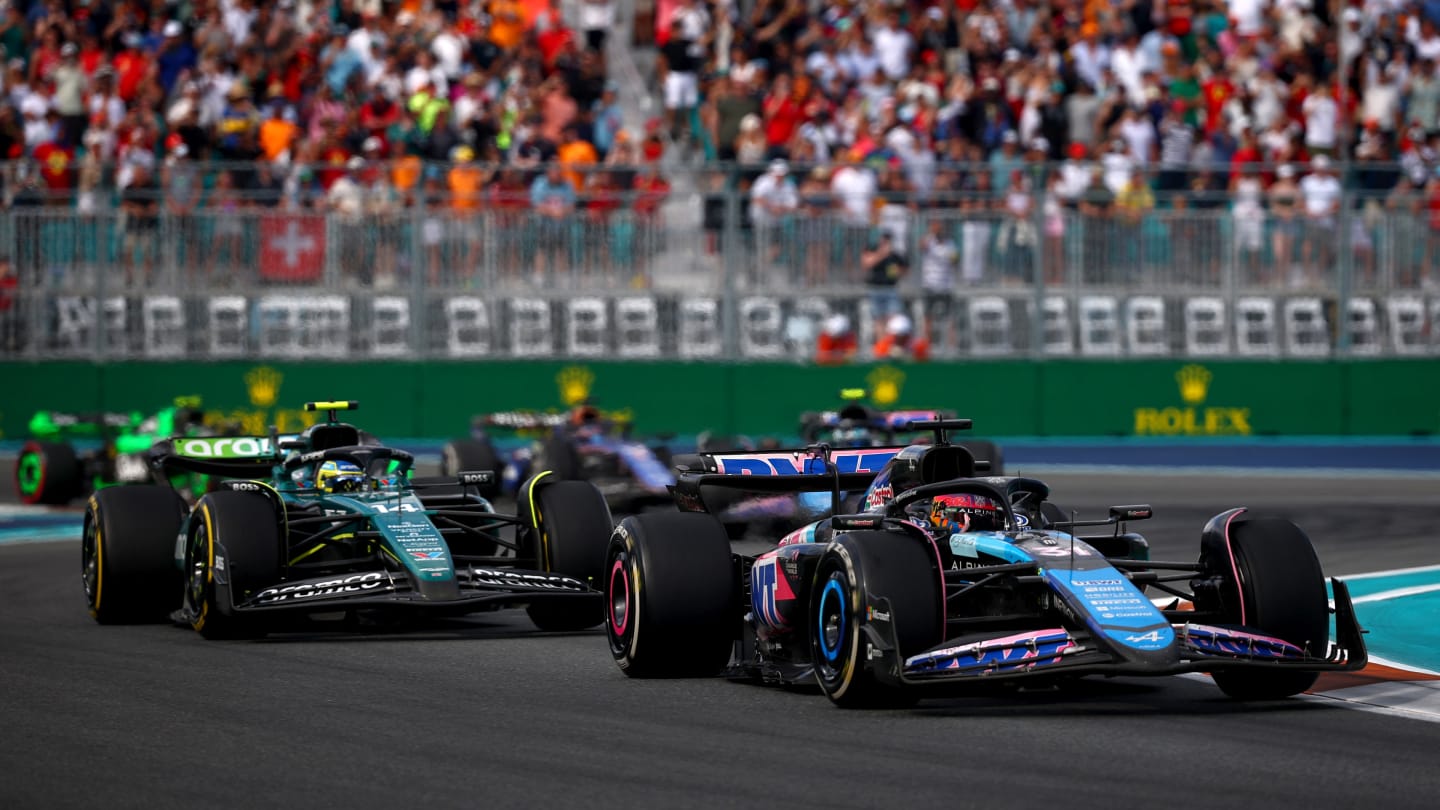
<point>778,472</point>
<point>225,456</point>
<point>45,424</point>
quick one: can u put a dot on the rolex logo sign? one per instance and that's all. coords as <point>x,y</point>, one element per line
<point>263,383</point>
<point>575,382</point>
<point>1193,418</point>
<point>1194,383</point>
<point>885,383</point>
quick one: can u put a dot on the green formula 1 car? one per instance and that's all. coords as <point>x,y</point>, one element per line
<point>301,528</point>
<point>50,469</point>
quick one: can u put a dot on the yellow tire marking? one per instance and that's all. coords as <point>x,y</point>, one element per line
<point>99,565</point>
<point>535,519</point>
<point>199,622</point>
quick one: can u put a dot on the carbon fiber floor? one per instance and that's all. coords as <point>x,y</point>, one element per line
<point>487,712</point>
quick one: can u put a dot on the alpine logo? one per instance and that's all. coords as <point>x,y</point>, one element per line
<point>768,586</point>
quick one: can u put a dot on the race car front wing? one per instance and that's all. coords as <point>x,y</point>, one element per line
<point>1058,650</point>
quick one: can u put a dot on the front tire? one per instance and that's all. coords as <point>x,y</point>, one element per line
<point>1282,594</point>
<point>234,548</point>
<point>127,554</point>
<point>858,566</point>
<point>48,473</point>
<point>571,530</point>
<point>670,595</point>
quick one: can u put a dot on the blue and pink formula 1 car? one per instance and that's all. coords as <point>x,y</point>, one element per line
<point>942,578</point>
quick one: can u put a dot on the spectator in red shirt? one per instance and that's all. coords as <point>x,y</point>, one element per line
<point>899,341</point>
<point>836,343</point>
<point>131,67</point>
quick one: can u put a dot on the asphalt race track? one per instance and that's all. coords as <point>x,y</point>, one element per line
<point>486,712</point>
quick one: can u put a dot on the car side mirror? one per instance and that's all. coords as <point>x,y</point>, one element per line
<point>1132,512</point>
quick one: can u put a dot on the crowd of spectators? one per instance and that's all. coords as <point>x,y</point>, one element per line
<point>354,106</point>
<point>1266,107</point>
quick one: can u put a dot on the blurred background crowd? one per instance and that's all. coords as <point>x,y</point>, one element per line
<point>813,125</point>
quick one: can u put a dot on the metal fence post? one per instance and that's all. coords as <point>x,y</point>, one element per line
<point>1345,265</point>
<point>732,258</point>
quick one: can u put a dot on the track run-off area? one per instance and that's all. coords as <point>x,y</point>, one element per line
<point>488,711</point>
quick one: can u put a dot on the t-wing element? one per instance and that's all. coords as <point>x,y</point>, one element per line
<point>942,427</point>
<point>332,406</point>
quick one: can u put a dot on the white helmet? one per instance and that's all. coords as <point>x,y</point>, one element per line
<point>837,325</point>
<point>899,324</point>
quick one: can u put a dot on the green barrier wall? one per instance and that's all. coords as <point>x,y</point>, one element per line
<point>1024,398</point>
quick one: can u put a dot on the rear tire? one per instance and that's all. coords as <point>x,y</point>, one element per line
<point>671,595</point>
<point>857,565</point>
<point>1283,593</point>
<point>471,455</point>
<point>572,531</point>
<point>128,554</point>
<point>241,527</point>
<point>48,473</point>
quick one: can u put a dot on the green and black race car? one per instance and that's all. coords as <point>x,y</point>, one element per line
<point>51,470</point>
<point>308,526</point>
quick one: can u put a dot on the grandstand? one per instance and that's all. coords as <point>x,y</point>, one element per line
<point>246,178</point>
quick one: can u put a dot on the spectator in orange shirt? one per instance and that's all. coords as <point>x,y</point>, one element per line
<point>277,133</point>
<point>466,180</point>
<point>467,184</point>
<point>836,344</point>
<point>899,341</point>
<point>576,155</point>
<point>507,23</point>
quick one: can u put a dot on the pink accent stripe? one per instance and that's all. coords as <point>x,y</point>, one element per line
<point>1234,570</point>
<point>619,567</point>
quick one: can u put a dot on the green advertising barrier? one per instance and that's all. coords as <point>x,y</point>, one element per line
<point>1015,398</point>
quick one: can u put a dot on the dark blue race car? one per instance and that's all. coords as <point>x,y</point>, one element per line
<point>582,444</point>
<point>941,578</point>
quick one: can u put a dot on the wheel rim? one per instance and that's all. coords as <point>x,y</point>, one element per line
<point>197,568</point>
<point>29,475</point>
<point>831,617</point>
<point>619,599</point>
<point>90,561</point>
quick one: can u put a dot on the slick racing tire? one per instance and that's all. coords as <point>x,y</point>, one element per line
<point>1282,590</point>
<point>471,455</point>
<point>671,595</point>
<point>233,549</point>
<point>989,451</point>
<point>127,553</point>
<point>856,567</point>
<point>559,456</point>
<point>572,527</point>
<point>48,473</point>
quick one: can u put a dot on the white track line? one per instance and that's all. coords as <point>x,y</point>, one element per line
<point>1398,593</point>
<point>1393,572</point>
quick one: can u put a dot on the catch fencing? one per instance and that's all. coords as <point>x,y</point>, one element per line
<point>699,278</point>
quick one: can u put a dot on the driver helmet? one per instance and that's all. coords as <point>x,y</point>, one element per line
<point>584,415</point>
<point>339,476</point>
<point>966,513</point>
<point>851,436</point>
